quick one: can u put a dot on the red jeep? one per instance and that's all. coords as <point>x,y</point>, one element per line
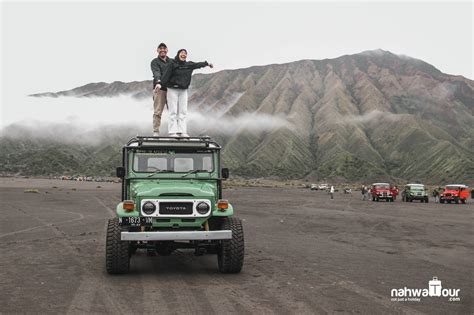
<point>382,191</point>
<point>454,193</point>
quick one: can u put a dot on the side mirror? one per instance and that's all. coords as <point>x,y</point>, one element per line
<point>225,172</point>
<point>120,172</point>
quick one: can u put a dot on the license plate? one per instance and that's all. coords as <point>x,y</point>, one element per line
<point>136,221</point>
<point>176,208</point>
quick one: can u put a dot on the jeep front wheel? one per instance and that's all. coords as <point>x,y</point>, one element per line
<point>230,256</point>
<point>117,252</point>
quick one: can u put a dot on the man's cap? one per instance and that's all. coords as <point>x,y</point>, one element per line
<point>162,45</point>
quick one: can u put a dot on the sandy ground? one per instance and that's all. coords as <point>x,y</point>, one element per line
<point>305,254</point>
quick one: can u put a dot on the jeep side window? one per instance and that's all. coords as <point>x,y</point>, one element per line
<point>207,163</point>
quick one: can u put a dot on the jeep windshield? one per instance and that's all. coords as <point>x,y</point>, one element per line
<point>172,161</point>
<point>382,186</point>
<point>453,187</point>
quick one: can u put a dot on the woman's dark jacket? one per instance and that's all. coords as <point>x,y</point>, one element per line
<point>178,73</point>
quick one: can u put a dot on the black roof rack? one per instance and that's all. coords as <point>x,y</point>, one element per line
<point>151,141</point>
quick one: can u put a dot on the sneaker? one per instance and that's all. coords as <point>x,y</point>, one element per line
<point>173,135</point>
<point>156,134</point>
<point>185,135</point>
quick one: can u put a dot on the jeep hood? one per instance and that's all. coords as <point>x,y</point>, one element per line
<point>171,188</point>
<point>450,191</point>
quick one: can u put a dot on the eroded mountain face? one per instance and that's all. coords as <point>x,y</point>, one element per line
<point>373,115</point>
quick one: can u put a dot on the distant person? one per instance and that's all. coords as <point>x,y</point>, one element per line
<point>436,195</point>
<point>158,66</point>
<point>331,191</point>
<point>363,192</point>
<point>176,79</point>
<point>472,193</point>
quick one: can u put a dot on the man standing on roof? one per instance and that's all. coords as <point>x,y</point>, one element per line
<point>177,78</point>
<point>158,66</point>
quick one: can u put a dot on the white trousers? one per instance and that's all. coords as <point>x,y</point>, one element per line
<point>177,108</point>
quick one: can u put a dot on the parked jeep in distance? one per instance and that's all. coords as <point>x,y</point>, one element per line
<point>172,198</point>
<point>454,193</point>
<point>382,191</point>
<point>323,186</point>
<point>415,192</point>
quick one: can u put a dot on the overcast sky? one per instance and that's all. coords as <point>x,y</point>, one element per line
<point>56,46</point>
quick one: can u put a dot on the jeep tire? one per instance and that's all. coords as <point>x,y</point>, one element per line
<point>230,256</point>
<point>117,252</point>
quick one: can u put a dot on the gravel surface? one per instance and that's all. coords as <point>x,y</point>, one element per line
<point>305,254</point>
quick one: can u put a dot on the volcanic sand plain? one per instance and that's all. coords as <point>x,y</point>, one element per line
<point>305,254</point>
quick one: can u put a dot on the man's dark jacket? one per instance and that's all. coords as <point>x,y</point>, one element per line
<point>178,73</point>
<point>158,67</point>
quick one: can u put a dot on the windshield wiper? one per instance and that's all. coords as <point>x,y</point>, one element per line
<point>192,172</point>
<point>160,171</point>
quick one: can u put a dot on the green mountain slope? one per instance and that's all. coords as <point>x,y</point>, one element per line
<point>369,116</point>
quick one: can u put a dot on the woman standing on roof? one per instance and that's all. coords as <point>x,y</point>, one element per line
<point>177,78</point>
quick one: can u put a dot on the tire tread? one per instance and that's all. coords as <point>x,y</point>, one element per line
<point>117,252</point>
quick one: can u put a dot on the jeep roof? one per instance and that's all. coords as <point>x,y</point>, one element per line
<point>191,142</point>
<point>457,185</point>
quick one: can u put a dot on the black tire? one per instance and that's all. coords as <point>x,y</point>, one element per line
<point>117,252</point>
<point>441,201</point>
<point>449,201</point>
<point>230,257</point>
<point>427,200</point>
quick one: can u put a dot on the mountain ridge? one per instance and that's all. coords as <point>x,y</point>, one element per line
<point>372,115</point>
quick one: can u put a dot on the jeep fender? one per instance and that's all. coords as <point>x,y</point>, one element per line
<point>122,213</point>
<point>228,212</point>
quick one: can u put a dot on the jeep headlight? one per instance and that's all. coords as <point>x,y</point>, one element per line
<point>202,208</point>
<point>148,207</point>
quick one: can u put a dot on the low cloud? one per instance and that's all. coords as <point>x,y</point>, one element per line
<point>228,125</point>
<point>97,120</point>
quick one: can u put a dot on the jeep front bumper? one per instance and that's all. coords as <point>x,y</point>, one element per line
<point>177,236</point>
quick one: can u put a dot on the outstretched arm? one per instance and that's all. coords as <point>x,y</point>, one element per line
<point>197,65</point>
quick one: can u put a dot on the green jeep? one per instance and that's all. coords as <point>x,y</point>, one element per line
<point>415,192</point>
<point>172,199</point>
